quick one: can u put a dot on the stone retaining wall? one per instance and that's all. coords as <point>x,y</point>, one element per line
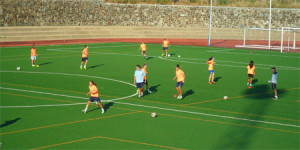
<point>95,13</point>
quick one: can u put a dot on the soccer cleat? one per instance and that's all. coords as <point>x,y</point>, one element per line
<point>251,85</point>
<point>33,65</point>
<point>84,111</point>
<point>209,82</point>
<point>275,98</point>
<point>213,82</point>
<point>103,111</point>
<point>81,68</point>
<point>84,67</point>
<point>142,94</point>
<point>162,54</point>
<point>139,96</point>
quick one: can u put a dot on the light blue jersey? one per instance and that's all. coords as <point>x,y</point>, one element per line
<point>139,75</point>
<point>274,77</point>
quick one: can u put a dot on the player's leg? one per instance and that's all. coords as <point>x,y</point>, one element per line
<point>163,52</point>
<point>251,78</point>
<point>166,52</point>
<point>87,105</point>
<point>100,105</point>
<point>213,78</point>
<point>248,82</point>
<point>275,91</point>
<point>81,64</point>
<point>180,92</point>
<point>86,61</point>
<point>209,78</point>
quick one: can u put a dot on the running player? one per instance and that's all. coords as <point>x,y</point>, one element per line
<point>251,72</point>
<point>165,46</point>
<point>143,47</point>
<point>211,70</point>
<point>94,97</point>
<point>33,55</point>
<point>145,80</point>
<point>84,56</point>
<point>139,77</point>
<point>274,83</point>
<point>180,81</point>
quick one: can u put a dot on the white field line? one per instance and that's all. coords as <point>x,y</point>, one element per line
<point>80,48</point>
<point>213,115</point>
<point>283,67</point>
<point>220,50</point>
<point>145,106</point>
<point>256,54</point>
<point>62,95</point>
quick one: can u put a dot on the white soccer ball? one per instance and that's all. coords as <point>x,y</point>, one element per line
<point>225,97</point>
<point>169,55</point>
<point>18,68</point>
<point>153,115</point>
<point>179,56</point>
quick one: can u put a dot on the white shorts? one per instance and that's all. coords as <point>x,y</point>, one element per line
<point>33,57</point>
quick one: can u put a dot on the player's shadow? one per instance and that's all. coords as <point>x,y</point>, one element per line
<point>9,122</point>
<point>153,89</point>
<point>187,93</point>
<point>106,107</point>
<point>148,58</point>
<point>217,79</point>
<point>95,66</point>
<point>254,81</point>
<point>240,134</point>
<point>172,54</point>
<point>46,63</point>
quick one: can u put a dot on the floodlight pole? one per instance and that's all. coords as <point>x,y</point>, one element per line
<point>209,23</point>
<point>270,25</point>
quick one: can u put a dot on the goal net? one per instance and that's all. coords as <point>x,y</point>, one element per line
<point>290,39</point>
<point>285,39</point>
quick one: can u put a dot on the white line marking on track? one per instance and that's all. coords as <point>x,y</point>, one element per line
<point>220,50</point>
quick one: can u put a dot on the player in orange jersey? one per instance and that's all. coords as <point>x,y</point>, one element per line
<point>143,47</point>
<point>94,96</point>
<point>251,72</point>
<point>84,56</point>
<point>180,81</point>
<point>33,55</point>
<point>145,79</point>
<point>165,46</point>
<point>211,70</point>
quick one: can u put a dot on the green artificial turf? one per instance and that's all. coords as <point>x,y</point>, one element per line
<point>55,95</point>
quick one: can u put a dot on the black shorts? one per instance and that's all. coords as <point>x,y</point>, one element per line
<point>146,81</point>
<point>273,85</point>
<point>179,84</point>
<point>139,85</point>
<point>84,58</point>
<point>250,75</point>
<point>165,48</point>
<point>97,99</point>
<point>143,52</point>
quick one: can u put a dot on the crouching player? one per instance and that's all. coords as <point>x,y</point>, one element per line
<point>94,97</point>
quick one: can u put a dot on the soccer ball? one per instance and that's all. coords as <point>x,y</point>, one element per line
<point>153,115</point>
<point>179,56</point>
<point>169,55</point>
<point>18,68</point>
<point>225,97</point>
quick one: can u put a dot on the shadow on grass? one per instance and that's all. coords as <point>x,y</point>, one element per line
<point>217,79</point>
<point>239,136</point>
<point>9,122</point>
<point>95,66</point>
<point>254,81</point>
<point>187,93</point>
<point>152,89</point>
<point>47,63</point>
<point>106,107</point>
<point>148,58</point>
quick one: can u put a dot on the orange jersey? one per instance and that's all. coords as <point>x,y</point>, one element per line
<point>94,91</point>
<point>251,70</point>
<point>210,65</point>
<point>180,75</point>
<point>85,53</point>
<point>166,43</point>
<point>33,52</point>
<point>143,47</point>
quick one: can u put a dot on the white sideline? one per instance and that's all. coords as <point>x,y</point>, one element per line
<point>256,54</point>
<point>205,114</point>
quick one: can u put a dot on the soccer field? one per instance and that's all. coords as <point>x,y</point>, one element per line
<point>41,108</point>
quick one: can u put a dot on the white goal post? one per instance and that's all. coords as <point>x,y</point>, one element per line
<point>288,38</point>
